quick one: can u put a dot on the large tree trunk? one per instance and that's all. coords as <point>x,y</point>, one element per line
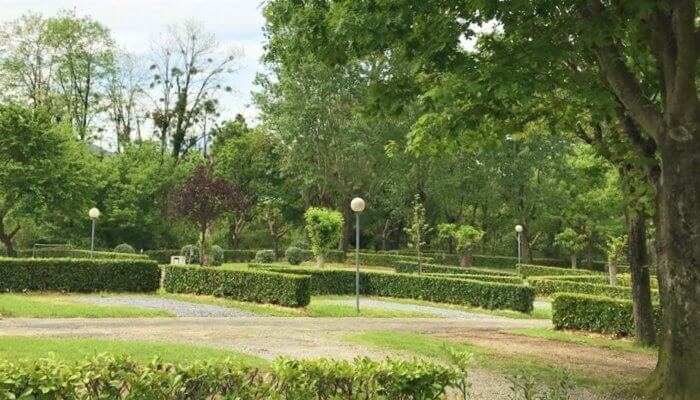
<point>465,258</point>
<point>678,247</point>
<point>6,238</point>
<point>347,228</point>
<point>644,329</point>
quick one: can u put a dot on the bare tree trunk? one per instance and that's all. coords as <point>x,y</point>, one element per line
<point>6,237</point>
<point>612,272</point>
<point>573,261</point>
<point>644,329</point>
<point>347,228</point>
<point>465,258</point>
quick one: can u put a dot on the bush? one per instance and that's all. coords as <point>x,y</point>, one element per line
<point>191,253</point>
<point>595,314</point>
<point>265,256</point>
<point>439,289</point>
<point>301,245</point>
<point>217,255</point>
<point>162,256</point>
<point>528,270</point>
<point>481,260</point>
<point>107,377</point>
<point>124,248</point>
<point>294,255</point>
<point>78,275</point>
<point>412,267</point>
<point>325,229</point>
<point>546,287</point>
<point>256,286</point>
<point>78,253</point>
<point>515,280</point>
<point>384,259</point>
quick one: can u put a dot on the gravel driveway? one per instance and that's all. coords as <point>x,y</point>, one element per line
<point>443,312</point>
<point>179,308</point>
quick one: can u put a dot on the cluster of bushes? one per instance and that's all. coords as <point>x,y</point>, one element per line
<point>546,287</point>
<point>256,286</point>
<point>409,267</point>
<point>385,259</point>
<point>104,377</point>
<point>78,275</point>
<point>433,288</point>
<point>528,270</point>
<point>595,314</point>
<point>78,253</point>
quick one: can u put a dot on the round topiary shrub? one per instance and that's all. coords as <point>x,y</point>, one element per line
<point>217,255</point>
<point>191,253</point>
<point>124,248</point>
<point>301,245</point>
<point>265,256</point>
<point>294,255</point>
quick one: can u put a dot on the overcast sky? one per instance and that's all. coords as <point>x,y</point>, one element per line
<point>236,23</point>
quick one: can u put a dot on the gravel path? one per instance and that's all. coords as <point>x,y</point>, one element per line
<point>443,312</point>
<point>179,308</point>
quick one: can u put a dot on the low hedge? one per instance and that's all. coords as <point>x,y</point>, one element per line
<point>515,280</point>
<point>546,287</point>
<point>385,259</point>
<point>162,256</point>
<point>105,377</point>
<point>438,289</point>
<point>412,267</point>
<point>528,270</point>
<point>596,314</point>
<point>289,290</point>
<point>78,275</point>
<point>594,279</point>
<point>78,253</point>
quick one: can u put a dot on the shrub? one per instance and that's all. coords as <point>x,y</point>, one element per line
<point>294,255</point>
<point>78,275</point>
<point>546,287</point>
<point>79,253</point>
<point>301,245</point>
<point>482,260</point>
<point>527,270</point>
<point>239,255</point>
<point>162,256</point>
<point>515,280</point>
<point>265,256</point>
<point>412,267</point>
<point>256,286</point>
<point>386,260</point>
<point>595,314</point>
<point>217,255</point>
<point>324,228</point>
<point>106,377</point>
<point>191,253</point>
<point>439,289</point>
<point>124,248</point>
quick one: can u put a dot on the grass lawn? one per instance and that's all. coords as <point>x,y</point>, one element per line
<point>72,349</point>
<point>585,338</point>
<point>426,346</point>
<point>61,306</point>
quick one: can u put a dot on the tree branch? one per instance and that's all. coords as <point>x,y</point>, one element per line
<point>14,231</point>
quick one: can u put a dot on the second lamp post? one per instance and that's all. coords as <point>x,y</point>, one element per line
<point>357,205</point>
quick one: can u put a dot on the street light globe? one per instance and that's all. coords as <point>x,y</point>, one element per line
<point>94,213</point>
<point>518,228</point>
<point>357,204</point>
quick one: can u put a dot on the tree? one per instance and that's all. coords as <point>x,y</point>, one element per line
<point>124,92</point>
<point>44,170</point>
<point>417,229</point>
<point>201,199</point>
<point>324,228</point>
<point>572,242</point>
<point>616,249</point>
<point>270,212</point>
<point>467,237</point>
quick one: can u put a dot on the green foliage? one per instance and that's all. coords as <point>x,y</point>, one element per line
<point>437,289</point>
<point>191,253</point>
<point>106,377</point>
<point>466,237</point>
<point>78,275</point>
<point>255,286</point>
<point>384,259</point>
<point>528,270</point>
<point>571,241</point>
<point>526,387</point>
<point>595,314</point>
<point>265,256</point>
<point>124,248</point>
<point>418,228</point>
<point>294,255</point>
<point>78,253</point>
<point>515,280</point>
<point>408,267</point>
<point>324,228</point>
<point>547,287</point>
<point>217,255</point>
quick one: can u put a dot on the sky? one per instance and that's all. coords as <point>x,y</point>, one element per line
<point>134,23</point>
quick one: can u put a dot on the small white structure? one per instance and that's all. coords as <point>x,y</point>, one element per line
<point>178,260</point>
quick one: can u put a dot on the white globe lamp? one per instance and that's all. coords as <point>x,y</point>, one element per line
<point>357,205</point>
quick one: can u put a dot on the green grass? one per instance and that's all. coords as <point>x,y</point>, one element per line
<point>61,306</point>
<point>585,338</point>
<point>70,349</point>
<point>432,348</point>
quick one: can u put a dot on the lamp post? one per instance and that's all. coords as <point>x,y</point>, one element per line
<point>519,230</point>
<point>357,205</point>
<point>94,214</point>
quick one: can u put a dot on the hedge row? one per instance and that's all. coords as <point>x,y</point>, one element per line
<point>515,280</point>
<point>528,270</point>
<point>257,286</point>
<point>104,377</point>
<point>406,267</point>
<point>438,289</point>
<point>595,314</point>
<point>546,287</point>
<point>78,253</point>
<point>241,255</point>
<point>385,259</point>
<point>78,275</point>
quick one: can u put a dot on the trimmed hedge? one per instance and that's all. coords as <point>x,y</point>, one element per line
<point>546,287</point>
<point>257,286</point>
<point>78,275</point>
<point>384,259</point>
<point>596,314</point>
<point>162,256</point>
<point>438,289</point>
<point>514,280</point>
<point>412,267</point>
<point>78,254</point>
<point>248,255</point>
<point>528,270</point>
